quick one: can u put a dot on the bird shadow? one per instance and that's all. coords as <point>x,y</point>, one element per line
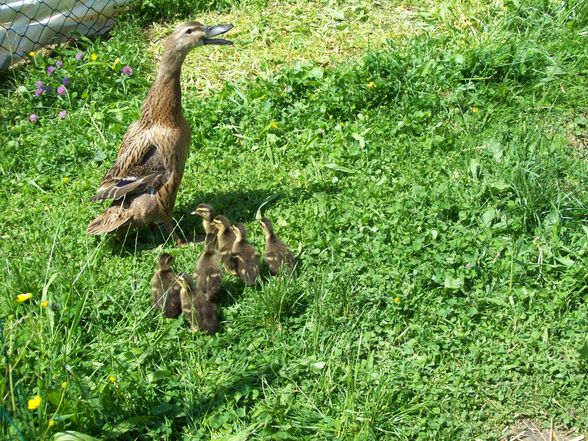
<point>240,386</point>
<point>159,412</point>
<point>243,205</point>
<point>238,206</point>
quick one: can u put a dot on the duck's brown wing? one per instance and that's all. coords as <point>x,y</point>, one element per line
<point>114,218</point>
<point>139,168</point>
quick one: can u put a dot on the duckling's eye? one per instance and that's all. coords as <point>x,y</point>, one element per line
<point>189,31</point>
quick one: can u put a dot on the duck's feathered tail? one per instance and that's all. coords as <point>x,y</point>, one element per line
<point>114,217</point>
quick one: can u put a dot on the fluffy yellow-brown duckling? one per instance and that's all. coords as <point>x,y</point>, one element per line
<point>225,238</point>
<point>208,272</point>
<point>245,256</point>
<point>165,292</point>
<point>200,312</point>
<point>206,212</point>
<point>278,256</point>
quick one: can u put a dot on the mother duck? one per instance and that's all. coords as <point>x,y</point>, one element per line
<point>144,181</point>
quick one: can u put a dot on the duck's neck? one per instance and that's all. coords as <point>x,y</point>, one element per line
<point>164,101</point>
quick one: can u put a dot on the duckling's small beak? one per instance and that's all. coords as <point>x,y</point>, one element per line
<point>197,211</point>
<point>213,31</point>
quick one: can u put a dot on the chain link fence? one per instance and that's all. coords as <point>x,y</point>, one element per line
<point>27,25</point>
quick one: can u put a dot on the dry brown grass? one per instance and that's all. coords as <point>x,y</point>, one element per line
<point>528,430</point>
<point>285,33</point>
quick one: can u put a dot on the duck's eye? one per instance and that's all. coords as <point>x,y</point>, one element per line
<point>189,31</point>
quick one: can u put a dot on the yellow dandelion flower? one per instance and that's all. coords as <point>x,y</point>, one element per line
<point>44,303</point>
<point>112,378</point>
<point>65,179</point>
<point>34,402</point>
<point>23,297</point>
<point>396,299</point>
<point>371,85</point>
<point>475,109</point>
<point>32,53</point>
<point>274,125</point>
<point>94,56</point>
<point>51,422</point>
<point>64,385</point>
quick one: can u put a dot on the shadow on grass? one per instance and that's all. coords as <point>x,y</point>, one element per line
<point>241,206</point>
<point>231,291</point>
<point>161,412</point>
<point>238,206</point>
<point>241,384</point>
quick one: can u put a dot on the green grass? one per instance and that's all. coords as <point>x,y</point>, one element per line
<point>435,188</point>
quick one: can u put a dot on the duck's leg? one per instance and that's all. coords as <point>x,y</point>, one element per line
<point>169,231</point>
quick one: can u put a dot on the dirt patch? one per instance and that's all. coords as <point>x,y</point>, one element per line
<point>579,142</point>
<point>577,134</point>
<point>528,430</point>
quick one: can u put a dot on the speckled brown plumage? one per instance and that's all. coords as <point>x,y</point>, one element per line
<point>278,256</point>
<point>149,167</point>
<point>245,256</point>
<point>200,312</point>
<point>165,291</point>
<point>206,212</point>
<point>208,271</point>
<point>226,238</point>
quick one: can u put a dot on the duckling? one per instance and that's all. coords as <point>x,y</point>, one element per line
<point>208,270</point>
<point>206,212</point>
<point>198,310</point>
<point>226,238</point>
<point>187,297</point>
<point>246,257</point>
<point>165,292</point>
<point>146,176</point>
<point>277,255</point>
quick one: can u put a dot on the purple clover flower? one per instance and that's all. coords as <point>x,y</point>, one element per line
<point>62,114</point>
<point>66,81</point>
<point>40,84</point>
<point>61,90</point>
<point>59,64</point>
<point>34,118</point>
<point>127,70</point>
<point>79,56</point>
<point>50,69</point>
<point>39,92</point>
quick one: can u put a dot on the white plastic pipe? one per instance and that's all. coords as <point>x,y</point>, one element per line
<point>27,25</point>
